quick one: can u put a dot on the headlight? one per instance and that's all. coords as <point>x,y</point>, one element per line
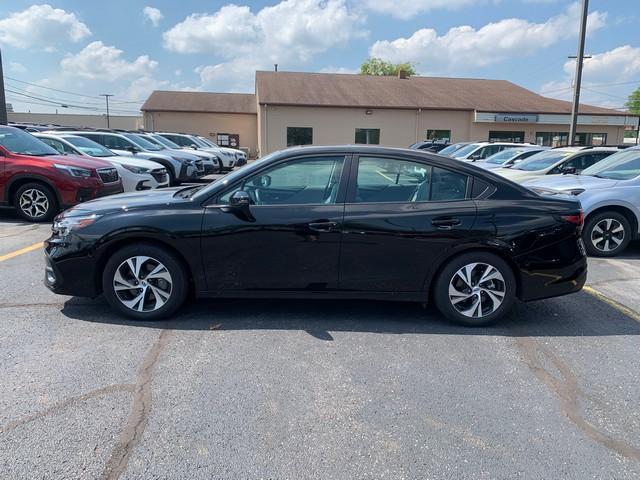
<point>577,191</point>
<point>186,161</point>
<point>74,171</point>
<point>138,170</point>
<point>64,225</point>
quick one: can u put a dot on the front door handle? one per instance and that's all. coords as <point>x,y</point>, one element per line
<point>445,223</point>
<point>322,226</point>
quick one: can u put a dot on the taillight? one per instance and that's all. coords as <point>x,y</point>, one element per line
<point>577,219</point>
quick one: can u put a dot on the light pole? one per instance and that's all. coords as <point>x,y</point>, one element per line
<point>578,77</point>
<point>106,98</point>
<point>3,100</point>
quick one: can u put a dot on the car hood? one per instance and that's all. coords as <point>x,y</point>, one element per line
<point>570,182</point>
<point>76,161</point>
<point>134,162</point>
<point>518,175</point>
<point>146,199</point>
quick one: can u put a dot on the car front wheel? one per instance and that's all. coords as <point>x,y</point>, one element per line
<point>475,289</point>
<point>35,202</point>
<point>606,234</point>
<point>144,282</point>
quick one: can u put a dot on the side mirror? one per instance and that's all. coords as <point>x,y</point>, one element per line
<point>194,146</point>
<point>240,199</point>
<point>475,157</point>
<point>132,149</point>
<point>569,170</point>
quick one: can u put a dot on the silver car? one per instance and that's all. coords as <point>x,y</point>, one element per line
<point>609,192</point>
<point>509,157</point>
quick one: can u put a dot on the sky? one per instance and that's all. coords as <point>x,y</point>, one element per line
<point>69,52</point>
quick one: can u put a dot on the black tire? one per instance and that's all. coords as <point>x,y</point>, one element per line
<point>178,276</point>
<point>453,313</point>
<point>597,248</point>
<point>45,198</point>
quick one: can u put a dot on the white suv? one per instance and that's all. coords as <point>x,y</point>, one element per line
<point>482,150</point>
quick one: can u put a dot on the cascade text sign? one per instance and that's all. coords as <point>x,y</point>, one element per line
<point>516,118</point>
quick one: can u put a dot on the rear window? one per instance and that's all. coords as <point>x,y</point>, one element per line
<point>542,160</point>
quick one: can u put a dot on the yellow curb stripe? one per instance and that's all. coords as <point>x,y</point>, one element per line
<point>612,303</point>
<point>28,249</point>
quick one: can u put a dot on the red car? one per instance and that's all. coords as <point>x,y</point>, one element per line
<point>39,182</point>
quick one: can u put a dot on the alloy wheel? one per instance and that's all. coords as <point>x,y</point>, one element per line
<point>607,235</point>
<point>34,203</point>
<point>477,290</point>
<point>142,284</point>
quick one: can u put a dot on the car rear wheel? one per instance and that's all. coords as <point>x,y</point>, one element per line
<point>144,282</point>
<point>606,234</point>
<point>475,289</point>
<point>35,202</point>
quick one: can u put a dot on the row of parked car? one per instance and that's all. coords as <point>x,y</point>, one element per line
<point>606,180</point>
<point>46,171</point>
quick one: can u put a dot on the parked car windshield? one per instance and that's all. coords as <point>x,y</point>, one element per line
<point>198,142</point>
<point>451,148</point>
<point>542,160</point>
<point>623,165</point>
<point>166,142</point>
<point>89,147</point>
<point>23,143</point>
<point>464,151</point>
<point>143,142</point>
<point>504,156</point>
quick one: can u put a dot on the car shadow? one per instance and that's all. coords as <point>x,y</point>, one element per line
<point>578,315</point>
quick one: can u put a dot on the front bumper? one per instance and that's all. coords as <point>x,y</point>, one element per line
<point>190,172</point>
<point>69,276</point>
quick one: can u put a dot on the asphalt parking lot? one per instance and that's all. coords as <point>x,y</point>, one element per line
<point>295,389</point>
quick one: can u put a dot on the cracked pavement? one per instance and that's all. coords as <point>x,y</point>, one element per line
<point>294,389</point>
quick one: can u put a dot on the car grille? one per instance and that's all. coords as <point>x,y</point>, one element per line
<point>108,175</point>
<point>160,175</point>
<point>200,165</point>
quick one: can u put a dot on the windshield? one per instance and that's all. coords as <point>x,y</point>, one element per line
<point>198,142</point>
<point>142,142</point>
<point>542,160</point>
<point>23,143</point>
<point>623,165</point>
<point>451,148</point>
<point>89,147</point>
<point>208,142</point>
<point>166,142</point>
<point>466,150</point>
<point>504,156</point>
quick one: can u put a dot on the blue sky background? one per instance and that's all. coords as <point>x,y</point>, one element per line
<point>88,47</point>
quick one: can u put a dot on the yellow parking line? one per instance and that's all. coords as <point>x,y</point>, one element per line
<point>612,303</point>
<point>28,249</point>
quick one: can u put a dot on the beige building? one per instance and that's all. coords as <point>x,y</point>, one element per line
<point>291,108</point>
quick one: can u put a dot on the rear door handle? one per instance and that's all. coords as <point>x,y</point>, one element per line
<point>322,226</point>
<point>445,223</point>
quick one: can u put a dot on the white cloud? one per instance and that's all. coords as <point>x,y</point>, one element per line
<point>100,61</point>
<point>332,69</point>
<point>408,8</point>
<point>289,33</point>
<point>464,47</point>
<point>605,78</point>
<point>153,15</point>
<point>41,26</point>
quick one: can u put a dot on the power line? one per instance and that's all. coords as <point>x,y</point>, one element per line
<point>52,103</point>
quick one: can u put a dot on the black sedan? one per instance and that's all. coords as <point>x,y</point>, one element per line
<point>352,222</point>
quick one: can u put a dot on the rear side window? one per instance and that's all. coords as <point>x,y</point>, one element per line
<point>117,143</point>
<point>388,180</point>
<point>480,187</point>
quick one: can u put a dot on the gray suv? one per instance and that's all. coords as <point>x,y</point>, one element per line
<point>181,166</point>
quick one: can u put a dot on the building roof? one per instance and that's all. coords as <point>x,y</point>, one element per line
<point>167,101</point>
<point>352,90</point>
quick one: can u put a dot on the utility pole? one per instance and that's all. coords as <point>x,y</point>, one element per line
<point>3,100</point>
<point>578,77</point>
<point>106,98</point>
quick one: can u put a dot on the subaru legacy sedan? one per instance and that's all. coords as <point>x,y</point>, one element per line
<point>357,222</point>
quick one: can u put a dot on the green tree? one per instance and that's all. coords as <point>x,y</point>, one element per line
<point>377,66</point>
<point>633,103</point>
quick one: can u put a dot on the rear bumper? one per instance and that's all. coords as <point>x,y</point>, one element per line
<point>546,274</point>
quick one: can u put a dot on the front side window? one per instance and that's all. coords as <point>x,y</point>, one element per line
<point>299,136</point>
<point>623,165</point>
<point>368,136</point>
<point>388,180</point>
<point>114,142</point>
<point>307,181</point>
<point>58,145</point>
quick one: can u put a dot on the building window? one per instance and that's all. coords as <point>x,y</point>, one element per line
<point>368,135</point>
<point>299,136</point>
<point>552,139</point>
<point>438,135</point>
<point>498,136</point>
<point>591,138</point>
